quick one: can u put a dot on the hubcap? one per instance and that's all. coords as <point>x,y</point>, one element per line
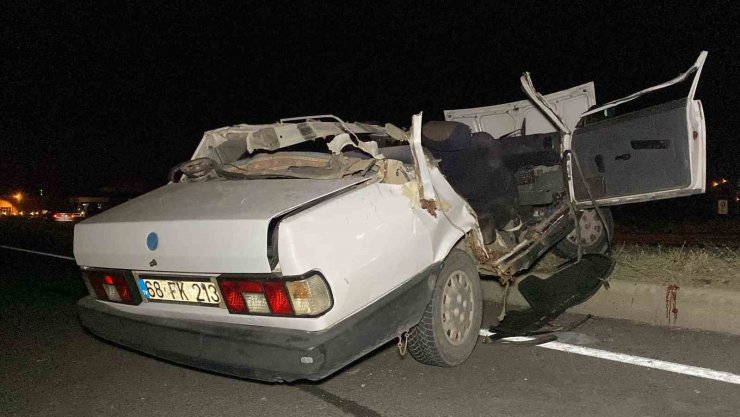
<point>457,307</point>
<point>591,228</point>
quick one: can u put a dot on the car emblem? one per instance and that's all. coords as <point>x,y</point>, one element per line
<point>152,241</point>
<point>153,263</point>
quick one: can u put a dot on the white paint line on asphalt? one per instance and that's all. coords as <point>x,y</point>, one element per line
<point>646,362</point>
<point>69,258</point>
<point>629,359</point>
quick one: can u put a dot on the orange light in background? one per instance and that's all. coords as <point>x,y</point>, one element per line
<point>18,197</point>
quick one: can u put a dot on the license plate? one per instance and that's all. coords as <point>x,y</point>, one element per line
<point>197,292</point>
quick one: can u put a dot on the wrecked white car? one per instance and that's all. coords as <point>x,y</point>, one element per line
<point>286,251</point>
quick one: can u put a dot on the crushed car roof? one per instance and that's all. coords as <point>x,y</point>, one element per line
<point>280,135</point>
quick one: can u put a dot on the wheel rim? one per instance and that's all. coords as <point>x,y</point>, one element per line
<point>458,307</point>
<point>591,228</point>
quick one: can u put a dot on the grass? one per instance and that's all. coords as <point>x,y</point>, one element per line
<point>692,266</point>
<point>710,266</point>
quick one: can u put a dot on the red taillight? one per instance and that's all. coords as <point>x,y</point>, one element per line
<point>256,297</point>
<point>233,297</point>
<point>120,283</point>
<point>109,286</point>
<point>96,284</point>
<point>57,215</point>
<point>250,286</point>
<point>277,298</point>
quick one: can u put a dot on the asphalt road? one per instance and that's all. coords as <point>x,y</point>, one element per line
<point>49,366</point>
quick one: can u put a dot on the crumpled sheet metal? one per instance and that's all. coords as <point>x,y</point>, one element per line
<point>426,189</point>
<point>300,165</point>
<point>337,145</point>
<point>281,135</point>
<point>276,136</point>
<point>394,172</point>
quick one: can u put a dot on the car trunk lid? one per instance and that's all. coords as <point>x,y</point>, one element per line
<point>207,227</point>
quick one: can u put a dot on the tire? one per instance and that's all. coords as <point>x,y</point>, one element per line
<point>448,330</point>
<point>593,235</point>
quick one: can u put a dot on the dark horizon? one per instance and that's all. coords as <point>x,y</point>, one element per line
<point>99,95</point>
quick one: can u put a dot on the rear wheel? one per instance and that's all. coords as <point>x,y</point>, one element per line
<point>448,331</point>
<point>593,234</point>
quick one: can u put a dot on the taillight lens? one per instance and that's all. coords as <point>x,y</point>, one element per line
<point>110,286</point>
<point>310,296</point>
<point>280,297</point>
<point>253,296</point>
<point>277,297</point>
<point>94,286</point>
<point>233,297</point>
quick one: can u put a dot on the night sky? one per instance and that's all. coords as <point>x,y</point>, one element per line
<point>97,94</point>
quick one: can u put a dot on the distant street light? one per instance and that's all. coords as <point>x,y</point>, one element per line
<point>18,197</point>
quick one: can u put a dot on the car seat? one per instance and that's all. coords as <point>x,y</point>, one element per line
<point>474,165</point>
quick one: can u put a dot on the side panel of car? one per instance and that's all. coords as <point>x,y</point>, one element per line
<point>372,240</point>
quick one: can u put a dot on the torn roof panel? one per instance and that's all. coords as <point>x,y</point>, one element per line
<point>276,136</point>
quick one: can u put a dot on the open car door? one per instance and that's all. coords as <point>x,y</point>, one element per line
<point>654,153</point>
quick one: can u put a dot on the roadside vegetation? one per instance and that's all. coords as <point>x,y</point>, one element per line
<point>695,266</point>
<point>713,266</point>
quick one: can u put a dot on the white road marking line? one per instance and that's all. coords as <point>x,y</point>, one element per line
<point>629,359</point>
<point>38,253</point>
<point>646,362</point>
<point>485,333</point>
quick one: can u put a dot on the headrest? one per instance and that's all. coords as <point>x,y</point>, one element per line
<point>445,136</point>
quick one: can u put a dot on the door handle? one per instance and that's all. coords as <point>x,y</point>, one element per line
<point>623,157</point>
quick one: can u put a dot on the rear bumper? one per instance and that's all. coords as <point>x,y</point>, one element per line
<point>263,353</point>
